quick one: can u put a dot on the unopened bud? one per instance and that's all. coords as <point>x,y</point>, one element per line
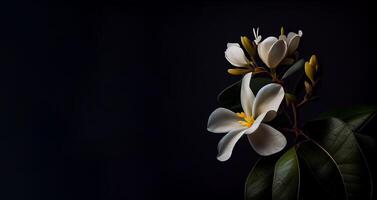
<point>246,43</point>
<point>313,60</point>
<point>237,72</point>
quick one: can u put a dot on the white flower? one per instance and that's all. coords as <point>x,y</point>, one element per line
<point>272,51</point>
<point>264,139</point>
<point>235,55</point>
<point>257,37</point>
<point>292,40</point>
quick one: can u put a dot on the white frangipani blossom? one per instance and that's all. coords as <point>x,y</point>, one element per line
<point>264,139</point>
<point>235,55</point>
<point>292,40</point>
<point>272,51</point>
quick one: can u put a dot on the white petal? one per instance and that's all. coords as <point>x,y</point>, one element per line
<point>264,47</point>
<point>258,39</point>
<point>232,44</point>
<point>223,120</point>
<point>235,55</point>
<point>268,99</point>
<point>300,33</point>
<point>247,96</point>
<point>277,53</point>
<point>291,35</point>
<point>267,140</point>
<point>227,143</point>
<point>293,41</point>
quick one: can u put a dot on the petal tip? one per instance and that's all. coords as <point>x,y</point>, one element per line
<point>222,158</point>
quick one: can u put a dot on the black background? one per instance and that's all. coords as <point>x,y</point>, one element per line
<point>111,100</point>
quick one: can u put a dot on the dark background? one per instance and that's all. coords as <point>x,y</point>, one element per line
<point>111,100</point>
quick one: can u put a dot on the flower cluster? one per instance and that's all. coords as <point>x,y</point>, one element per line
<point>272,51</point>
<point>271,71</point>
<point>262,107</point>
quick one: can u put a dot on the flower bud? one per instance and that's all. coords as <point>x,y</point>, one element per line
<point>237,72</point>
<point>246,43</point>
<point>313,60</point>
<point>311,68</point>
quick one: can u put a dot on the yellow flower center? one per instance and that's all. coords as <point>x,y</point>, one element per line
<point>246,120</point>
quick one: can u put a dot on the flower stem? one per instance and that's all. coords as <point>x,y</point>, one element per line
<point>295,119</point>
<point>304,101</point>
<point>273,74</point>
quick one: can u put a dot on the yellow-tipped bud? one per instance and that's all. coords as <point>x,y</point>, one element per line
<point>311,68</point>
<point>237,72</point>
<point>308,87</point>
<point>246,43</point>
<point>282,30</point>
<point>309,71</point>
<point>313,60</point>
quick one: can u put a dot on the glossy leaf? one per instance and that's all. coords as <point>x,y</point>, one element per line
<point>286,180</point>
<point>339,141</point>
<point>294,68</point>
<point>257,83</point>
<point>356,117</point>
<point>325,171</point>
<point>367,144</point>
<point>259,181</point>
<point>230,96</point>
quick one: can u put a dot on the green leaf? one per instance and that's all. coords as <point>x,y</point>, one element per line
<point>356,117</point>
<point>367,144</point>
<point>259,180</point>
<point>230,96</point>
<point>294,77</point>
<point>286,180</point>
<point>294,68</point>
<point>324,170</point>
<point>339,141</point>
<point>257,83</point>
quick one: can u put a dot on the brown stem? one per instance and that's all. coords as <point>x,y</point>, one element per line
<point>307,96</point>
<point>304,101</point>
<point>273,74</point>
<point>295,126</point>
<point>303,134</point>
